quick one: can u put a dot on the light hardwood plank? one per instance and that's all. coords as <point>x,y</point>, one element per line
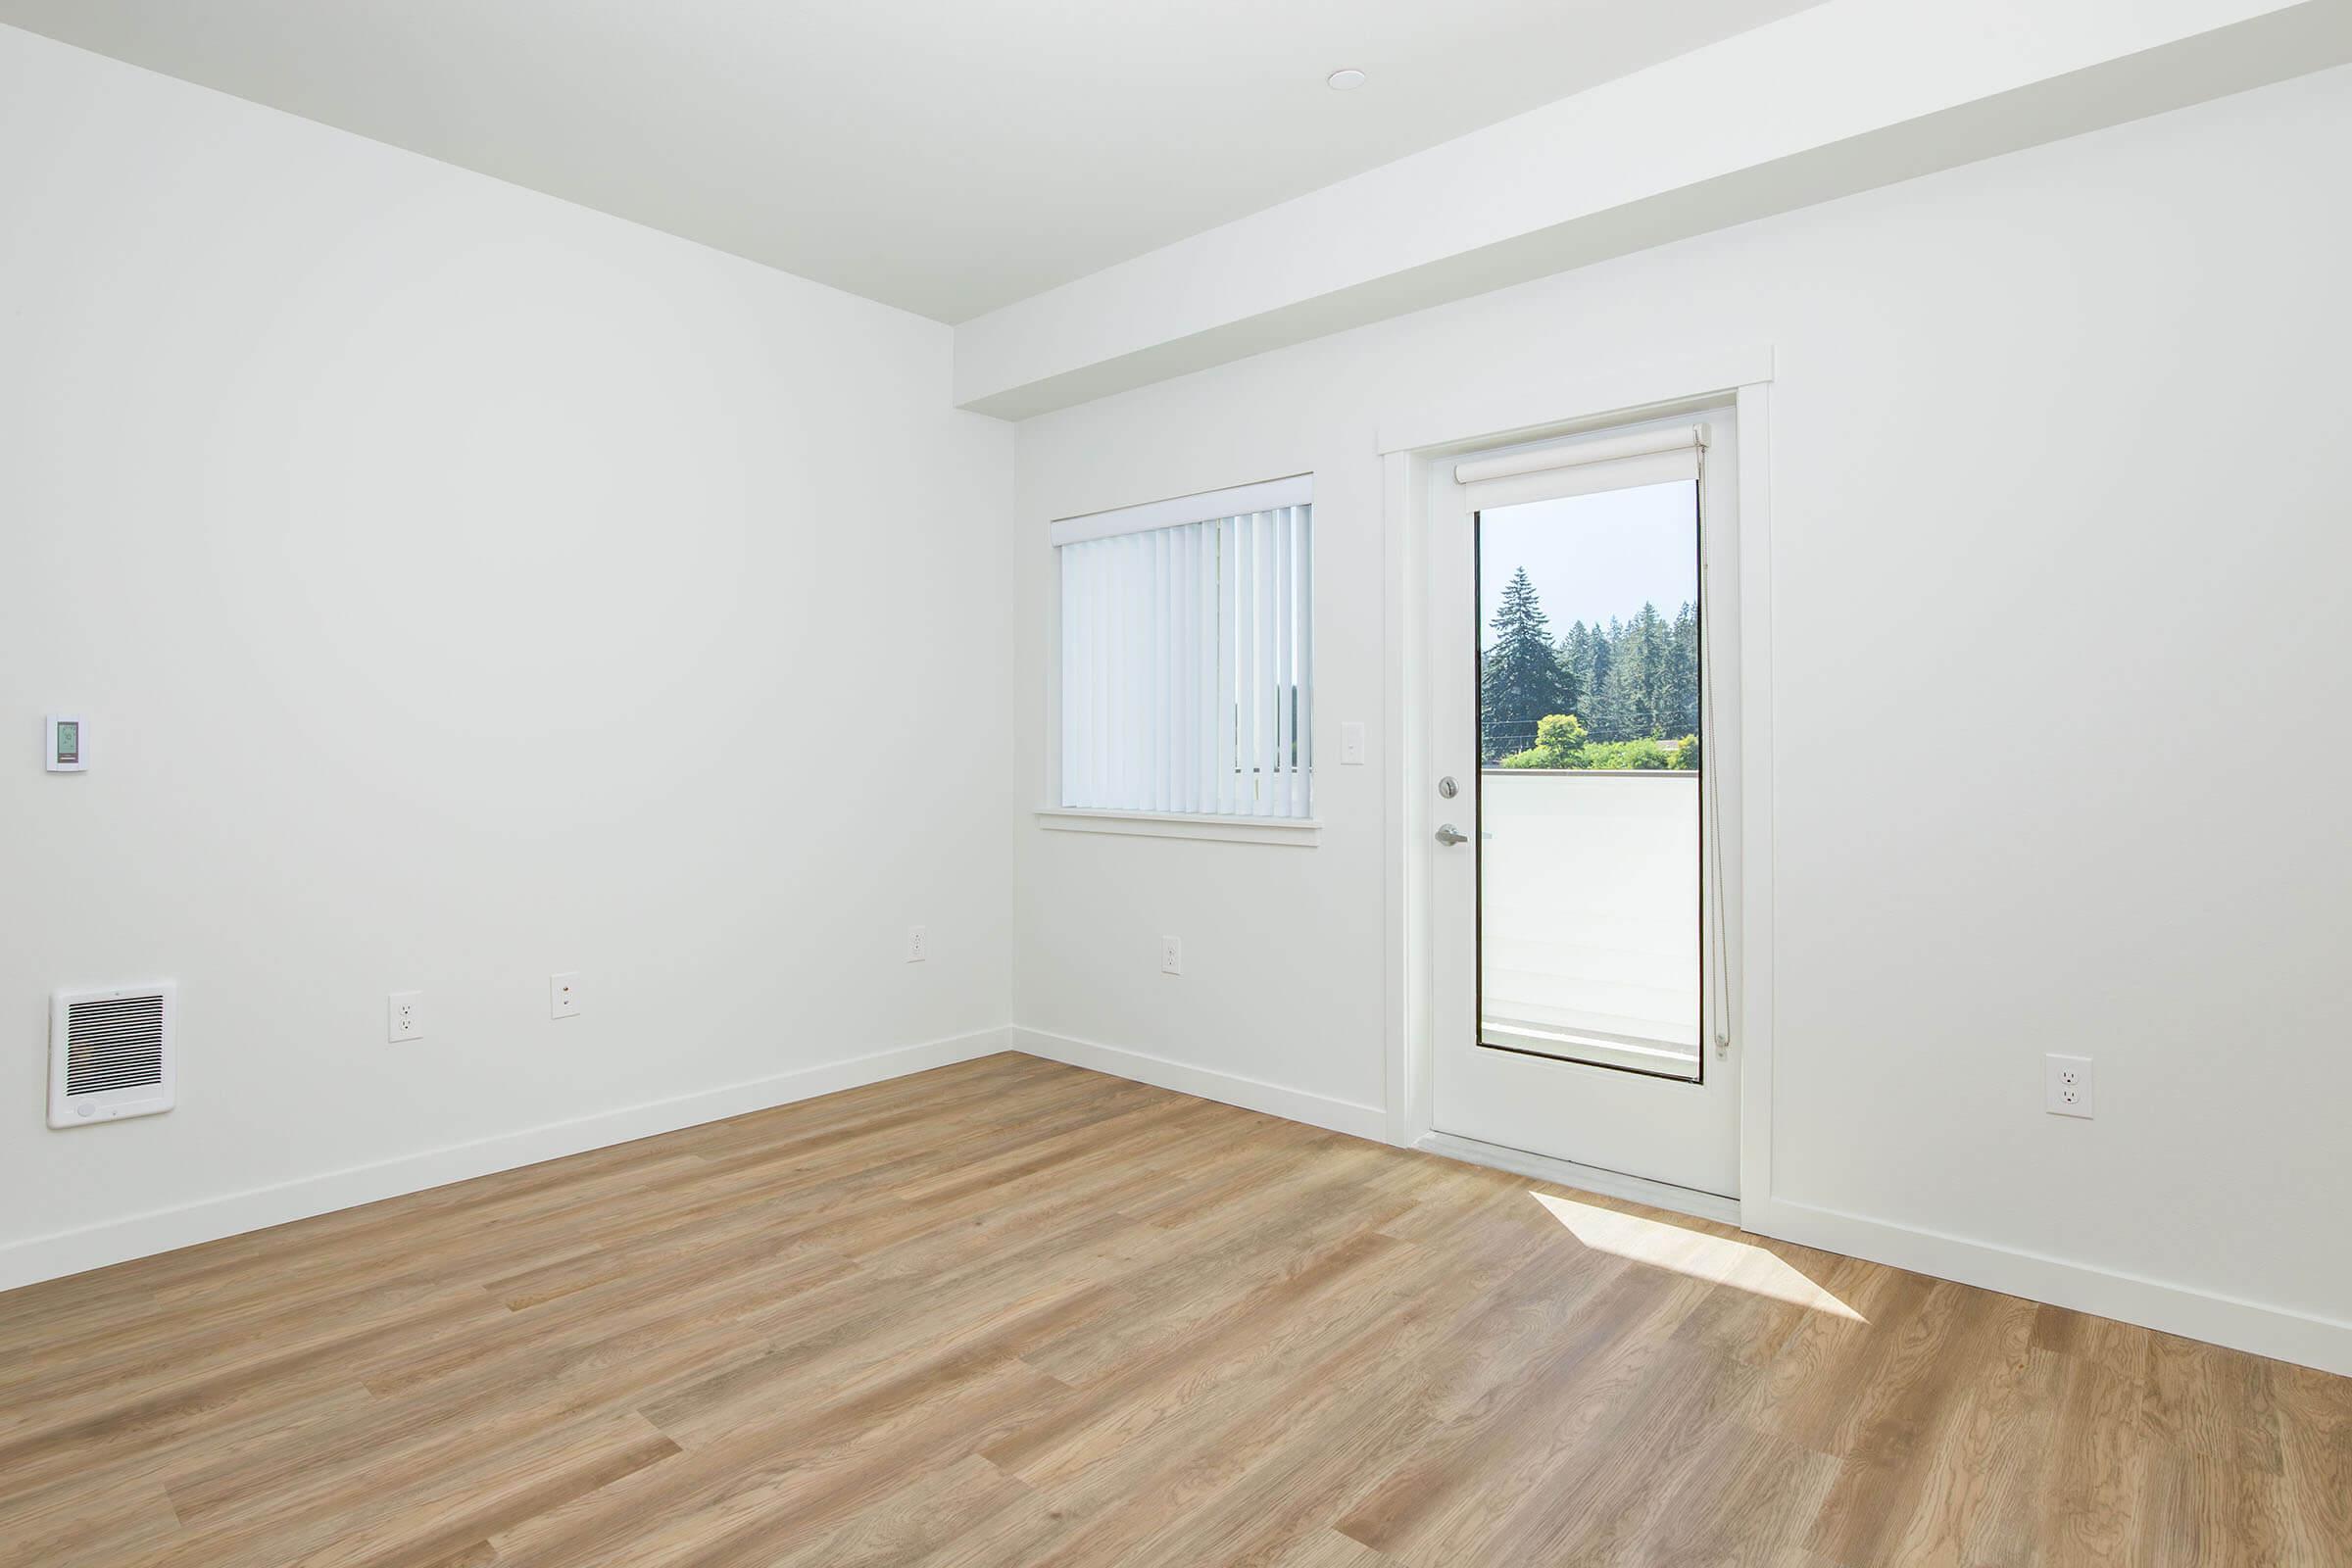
<point>1011,1314</point>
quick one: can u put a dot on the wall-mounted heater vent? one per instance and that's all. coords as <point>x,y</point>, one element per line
<point>109,1054</point>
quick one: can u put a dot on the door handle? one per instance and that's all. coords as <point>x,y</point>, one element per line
<point>1446,835</point>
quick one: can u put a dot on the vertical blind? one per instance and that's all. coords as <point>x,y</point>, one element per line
<point>1187,657</point>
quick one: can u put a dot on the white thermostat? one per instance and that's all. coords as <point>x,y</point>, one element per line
<point>67,743</point>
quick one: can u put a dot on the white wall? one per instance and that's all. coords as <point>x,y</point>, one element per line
<point>1766,121</point>
<point>460,586</point>
<point>2059,488</point>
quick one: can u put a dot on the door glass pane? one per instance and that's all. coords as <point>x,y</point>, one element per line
<point>1588,778</point>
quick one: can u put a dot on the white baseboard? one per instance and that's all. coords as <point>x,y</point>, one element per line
<point>43,1257</point>
<point>2286,1335</point>
<point>1231,1088</point>
<point>2316,1342</point>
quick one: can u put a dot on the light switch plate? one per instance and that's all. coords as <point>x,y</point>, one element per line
<point>563,996</point>
<point>1352,743</point>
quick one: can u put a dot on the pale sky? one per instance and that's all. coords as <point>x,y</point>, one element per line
<point>1594,557</point>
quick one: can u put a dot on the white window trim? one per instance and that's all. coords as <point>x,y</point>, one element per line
<point>1299,832</point>
<point>1303,832</point>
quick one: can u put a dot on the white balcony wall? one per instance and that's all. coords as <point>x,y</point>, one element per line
<point>1589,896</point>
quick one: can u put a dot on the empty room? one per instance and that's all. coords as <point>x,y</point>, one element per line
<point>1308,784</point>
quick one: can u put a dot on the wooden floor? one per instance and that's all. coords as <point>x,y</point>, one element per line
<point>1015,1313</point>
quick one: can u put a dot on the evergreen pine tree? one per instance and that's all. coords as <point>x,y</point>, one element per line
<point>1650,690</point>
<point>1579,654</point>
<point>1682,684</point>
<point>1606,692</point>
<point>1522,680</point>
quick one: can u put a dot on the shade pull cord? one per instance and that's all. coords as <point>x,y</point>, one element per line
<point>1719,957</point>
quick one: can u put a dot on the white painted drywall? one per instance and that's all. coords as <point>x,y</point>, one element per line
<point>1836,98</point>
<point>460,586</point>
<point>2059,497</point>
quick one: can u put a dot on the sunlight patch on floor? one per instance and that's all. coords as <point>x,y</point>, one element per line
<point>1718,1259</point>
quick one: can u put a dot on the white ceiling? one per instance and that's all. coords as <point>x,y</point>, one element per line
<point>947,155</point>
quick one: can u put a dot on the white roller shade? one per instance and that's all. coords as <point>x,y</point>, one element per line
<point>1584,467</point>
<point>1185,665</point>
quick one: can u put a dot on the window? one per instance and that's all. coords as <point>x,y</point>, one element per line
<point>1186,655</point>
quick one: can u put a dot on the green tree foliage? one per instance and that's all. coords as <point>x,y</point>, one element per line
<point>1523,678</point>
<point>1584,652</point>
<point>1604,700</point>
<point>1641,694</point>
<point>1560,743</point>
<point>1560,732</point>
<point>1643,755</point>
<point>1681,674</point>
<point>1625,695</point>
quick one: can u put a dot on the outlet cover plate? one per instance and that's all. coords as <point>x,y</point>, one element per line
<point>404,1015</point>
<point>2068,1084</point>
<point>563,996</point>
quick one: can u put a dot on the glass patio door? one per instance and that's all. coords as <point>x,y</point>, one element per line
<point>1579,896</point>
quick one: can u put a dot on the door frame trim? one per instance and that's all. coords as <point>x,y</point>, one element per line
<point>1505,410</point>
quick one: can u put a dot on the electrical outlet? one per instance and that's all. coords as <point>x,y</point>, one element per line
<point>563,996</point>
<point>918,944</point>
<point>1172,956</point>
<point>2067,1086</point>
<point>404,1015</point>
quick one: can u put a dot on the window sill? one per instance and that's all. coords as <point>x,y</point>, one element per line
<point>1304,833</point>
